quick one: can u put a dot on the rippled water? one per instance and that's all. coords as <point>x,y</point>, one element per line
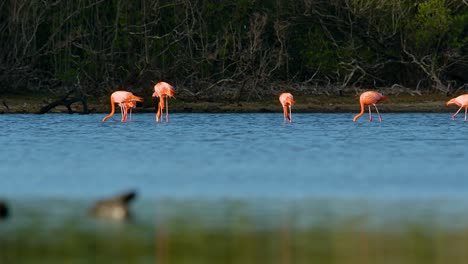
<point>234,156</point>
<point>245,178</point>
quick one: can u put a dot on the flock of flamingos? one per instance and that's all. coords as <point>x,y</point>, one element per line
<point>163,90</point>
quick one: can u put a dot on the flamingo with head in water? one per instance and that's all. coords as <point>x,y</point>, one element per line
<point>461,101</point>
<point>287,100</point>
<point>122,98</point>
<point>367,99</point>
<point>127,108</point>
<point>163,90</point>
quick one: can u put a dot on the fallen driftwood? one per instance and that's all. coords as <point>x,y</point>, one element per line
<point>5,104</point>
<point>67,100</point>
<point>114,208</point>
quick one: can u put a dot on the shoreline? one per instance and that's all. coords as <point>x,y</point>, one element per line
<point>426,103</point>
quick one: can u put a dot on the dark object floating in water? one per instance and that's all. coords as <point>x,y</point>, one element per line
<point>3,210</point>
<point>115,208</point>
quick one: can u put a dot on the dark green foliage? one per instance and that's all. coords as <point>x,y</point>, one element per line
<point>106,45</point>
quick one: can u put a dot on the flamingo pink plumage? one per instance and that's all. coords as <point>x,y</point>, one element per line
<point>122,98</point>
<point>287,100</point>
<point>127,108</point>
<point>461,101</point>
<point>163,90</point>
<point>369,98</point>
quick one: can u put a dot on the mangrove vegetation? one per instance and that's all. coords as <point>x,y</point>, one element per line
<point>240,49</point>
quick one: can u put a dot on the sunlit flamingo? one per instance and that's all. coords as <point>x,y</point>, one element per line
<point>461,101</point>
<point>370,98</point>
<point>121,98</point>
<point>287,100</point>
<point>163,90</point>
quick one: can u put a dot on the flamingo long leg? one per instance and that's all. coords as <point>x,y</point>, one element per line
<point>376,109</point>
<point>284,117</point>
<point>122,113</point>
<point>158,111</point>
<point>466,108</point>
<point>126,113</point>
<point>370,114</point>
<point>167,111</point>
<point>290,115</point>
<point>453,117</point>
<point>130,114</point>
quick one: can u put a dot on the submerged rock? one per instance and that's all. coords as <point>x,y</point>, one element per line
<point>3,210</point>
<point>115,208</point>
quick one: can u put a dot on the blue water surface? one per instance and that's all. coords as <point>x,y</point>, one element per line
<point>235,156</point>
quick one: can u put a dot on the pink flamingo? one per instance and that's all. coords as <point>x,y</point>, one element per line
<point>127,108</point>
<point>287,100</point>
<point>163,90</point>
<point>461,101</point>
<point>370,98</point>
<point>122,98</point>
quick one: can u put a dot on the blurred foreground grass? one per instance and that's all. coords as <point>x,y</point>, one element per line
<point>231,234</point>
